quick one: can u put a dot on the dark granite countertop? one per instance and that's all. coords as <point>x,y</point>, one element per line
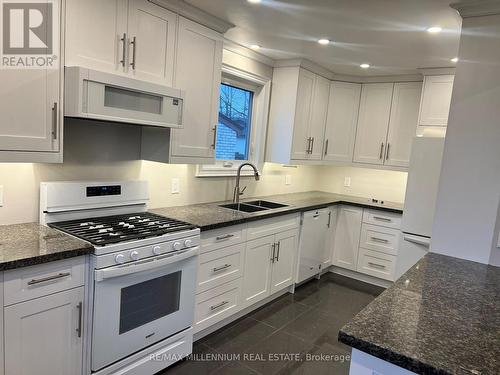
<point>441,317</point>
<point>210,216</point>
<point>23,245</point>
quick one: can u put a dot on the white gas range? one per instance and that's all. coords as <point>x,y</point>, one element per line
<point>143,273</point>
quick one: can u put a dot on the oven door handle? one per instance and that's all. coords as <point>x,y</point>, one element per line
<point>145,265</point>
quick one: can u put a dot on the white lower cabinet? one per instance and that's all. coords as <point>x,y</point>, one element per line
<point>347,237</point>
<point>44,335</point>
<point>283,265</point>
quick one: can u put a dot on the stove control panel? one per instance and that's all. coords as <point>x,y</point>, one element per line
<point>98,191</point>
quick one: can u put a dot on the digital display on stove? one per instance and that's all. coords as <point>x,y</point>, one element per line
<point>98,191</point>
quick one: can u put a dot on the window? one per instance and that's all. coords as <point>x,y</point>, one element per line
<point>235,123</point>
<point>241,129</point>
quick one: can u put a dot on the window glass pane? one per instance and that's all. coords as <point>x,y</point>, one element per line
<point>150,300</point>
<point>235,117</point>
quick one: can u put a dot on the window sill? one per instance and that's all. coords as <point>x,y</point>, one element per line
<point>220,171</point>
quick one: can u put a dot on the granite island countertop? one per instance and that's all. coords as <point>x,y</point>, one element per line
<point>23,245</point>
<point>441,317</point>
<point>209,216</point>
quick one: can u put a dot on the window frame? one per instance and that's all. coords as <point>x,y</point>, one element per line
<point>260,108</point>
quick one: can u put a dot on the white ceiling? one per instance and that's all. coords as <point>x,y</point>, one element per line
<point>388,34</point>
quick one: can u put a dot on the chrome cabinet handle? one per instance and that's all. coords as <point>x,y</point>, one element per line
<point>55,117</point>
<point>124,49</point>
<point>219,305</point>
<point>329,219</point>
<point>381,240</point>
<point>278,245</point>
<point>387,151</point>
<point>49,278</point>
<point>326,147</point>
<point>224,237</point>
<point>273,248</point>
<point>217,269</point>
<point>376,265</point>
<point>80,317</point>
<point>312,145</point>
<point>134,47</point>
<point>381,151</point>
<point>308,150</point>
<point>214,141</point>
<point>382,219</point>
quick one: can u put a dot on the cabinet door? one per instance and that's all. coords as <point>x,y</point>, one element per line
<point>30,107</point>
<point>94,34</point>
<point>283,267</point>
<point>301,141</point>
<point>319,109</point>
<point>257,273</point>
<point>436,99</point>
<point>347,237</point>
<point>151,53</point>
<point>374,112</point>
<point>41,335</point>
<point>330,240</point>
<point>403,123</point>
<point>341,122</point>
<point>198,72</point>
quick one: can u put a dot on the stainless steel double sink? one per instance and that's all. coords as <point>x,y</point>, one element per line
<point>253,206</point>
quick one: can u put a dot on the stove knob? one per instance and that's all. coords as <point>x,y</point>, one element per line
<point>177,246</point>
<point>134,255</point>
<point>156,250</point>
<point>120,258</point>
<point>188,243</point>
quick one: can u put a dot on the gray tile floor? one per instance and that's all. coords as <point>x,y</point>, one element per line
<point>291,335</point>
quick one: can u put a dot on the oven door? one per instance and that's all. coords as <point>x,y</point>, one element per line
<point>141,303</point>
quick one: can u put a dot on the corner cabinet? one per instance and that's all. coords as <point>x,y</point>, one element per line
<point>198,68</point>
<point>298,110</point>
<point>347,237</point>
<point>31,108</point>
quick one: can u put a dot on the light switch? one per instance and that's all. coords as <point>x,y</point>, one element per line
<point>288,179</point>
<point>175,186</point>
<point>347,181</point>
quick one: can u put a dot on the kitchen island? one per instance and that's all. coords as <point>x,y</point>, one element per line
<point>440,317</point>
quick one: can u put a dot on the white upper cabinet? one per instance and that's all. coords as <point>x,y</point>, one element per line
<point>151,41</point>
<point>341,122</point>
<point>297,117</point>
<point>403,123</point>
<point>96,34</point>
<point>436,99</point>
<point>198,72</point>
<point>133,37</point>
<point>374,113</point>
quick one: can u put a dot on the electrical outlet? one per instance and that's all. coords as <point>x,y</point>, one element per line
<point>175,186</point>
<point>347,181</point>
<point>288,179</point>
<point>1,195</point>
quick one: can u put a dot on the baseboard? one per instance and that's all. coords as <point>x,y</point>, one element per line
<point>361,277</point>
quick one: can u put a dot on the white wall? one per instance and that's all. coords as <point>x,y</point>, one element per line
<point>465,224</point>
<point>370,183</point>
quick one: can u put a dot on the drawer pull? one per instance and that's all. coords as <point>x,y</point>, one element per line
<point>381,240</point>
<point>376,265</point>
<point>224,237</point>
<point>220,268</point>
<point>49,278</point>
<point>387,220</point>
<point>219,305</point>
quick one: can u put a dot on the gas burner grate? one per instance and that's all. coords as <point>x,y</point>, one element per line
<point>107,230</point>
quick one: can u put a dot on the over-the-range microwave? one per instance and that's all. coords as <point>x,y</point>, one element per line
<point>104,96</point>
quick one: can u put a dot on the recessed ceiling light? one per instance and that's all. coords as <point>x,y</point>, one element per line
<point>255,47</point>
<point>364,66</point>
<point>254,1</point>
<point>324,42</point>
<point>455,59</point>
<point>434,29</point>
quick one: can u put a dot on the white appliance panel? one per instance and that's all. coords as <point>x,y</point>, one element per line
<point>411,249</point>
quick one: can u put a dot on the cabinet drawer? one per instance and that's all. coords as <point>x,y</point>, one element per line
<point>271,226</point>
<point>376,264</point>
<point>223,237</point>
<point>220,266</point>
<point>385,240</point>
<point>36,281</point>
<point>217,304</point>
<point>383,218</point>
